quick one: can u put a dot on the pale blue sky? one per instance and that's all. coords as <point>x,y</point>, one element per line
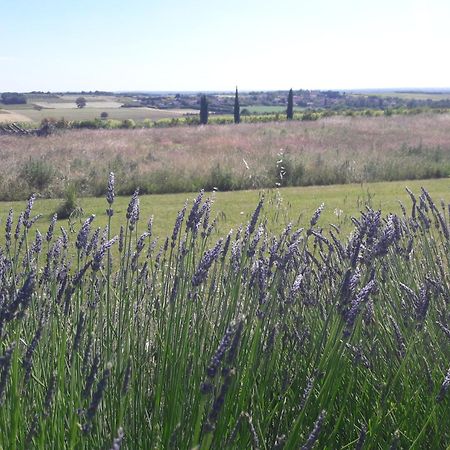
<point>210,45</point>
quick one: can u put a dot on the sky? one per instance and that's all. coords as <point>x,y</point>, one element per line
<point>209,45</point>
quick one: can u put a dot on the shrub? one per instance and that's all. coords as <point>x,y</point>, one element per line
<point>37,173</point>
<point>70,203</point>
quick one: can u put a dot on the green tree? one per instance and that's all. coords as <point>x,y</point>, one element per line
<point>290,106</point>
<point>81,102</point>
<point>203,110</point>
<point>237,110</point>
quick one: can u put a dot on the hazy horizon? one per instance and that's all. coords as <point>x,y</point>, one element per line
<point>202,45</point>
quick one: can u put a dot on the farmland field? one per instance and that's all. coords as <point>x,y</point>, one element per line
<point>64,107</point>
<point>259,109</point>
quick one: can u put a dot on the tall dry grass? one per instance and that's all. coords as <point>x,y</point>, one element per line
<point>332,150</point>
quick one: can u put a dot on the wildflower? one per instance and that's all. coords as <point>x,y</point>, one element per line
<point>220,399</point>
<point>177,226</point>
<point>314,435</point>
<point>93,242</point>
<point>27,213</point>
<point>18,226</point>
<point>219,354</point>
<point>8,228</point>
<point>117,442</point>
<point>355,305</point>
<point>121,238</point>
<point>362,438</point>
<point>5,364</point>
<point>51,228</point>
<point>50,394</point>
<point>98,256</point>
<point>110,194</point>
<point>254,219</point>
<point>97,398</point>
<point>22,299</point>
<point>316,215</point>
<point>444,387</point>
<point>132,214</point>
<point>82,237</point>
<point>193,217</point>
<point>27,362</point>
<point>206,262</point>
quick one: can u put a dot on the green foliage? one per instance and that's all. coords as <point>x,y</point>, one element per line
<point>38,173</point>
<point>80,102</point>
<point>128,124</point>
<point>13,98</point>
<point>290,106</point>
<point>203,110</point>
<point>70,204</point>
<point>236,108</point>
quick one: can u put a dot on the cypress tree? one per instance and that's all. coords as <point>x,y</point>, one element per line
<point>290,106</point>
<point>203,110</point>
<point>237,110</point>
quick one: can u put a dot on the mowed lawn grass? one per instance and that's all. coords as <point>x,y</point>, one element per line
<point>234,208</point>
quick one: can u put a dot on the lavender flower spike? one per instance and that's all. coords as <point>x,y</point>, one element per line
<point>110,191</point>
<point>82,237</point>
<point>51,228</point>
<point>314,435</point>
<point>206,262</point>
<point>444,387</point>
<point>27,213</point>
<point>98,256</point>
<point>316,214</point>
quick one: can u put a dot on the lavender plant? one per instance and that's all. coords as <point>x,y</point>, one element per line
<point>241,341</point>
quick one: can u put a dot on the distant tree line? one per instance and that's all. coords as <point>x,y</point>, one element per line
<point>237,109</point>
<point>13,98</point>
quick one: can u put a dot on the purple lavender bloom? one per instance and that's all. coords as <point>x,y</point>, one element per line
<point>117,442</point>
<point>82,238</point>
<point>27,213</point>
<point>131,205</point>
<point>51,228</point>
<point>141,242</point>
<point>444,387</point>
<point>93,242</point>
<point>252,224</point>
<point>177,226</point>
<point>99,255</point>
<point>18,226</point>
<point>37,245</point>
<point>133,210</point>
<point>236,255</point>
<point>314,435</point>
<point>193,217</point>
<point>134,218</point>
<point>22,299</point>
<point>219,354</point>
<point>316,215</point>
<point>206,262</point>
<point>110,191</point>
<point>8,228</point>
<point>252,248</point>
<point>356,304</point>
<point>121,238</point>
<point>226,246</point>
<point>150,226</point>
<point>6,366</point>
<point>65,238</point>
